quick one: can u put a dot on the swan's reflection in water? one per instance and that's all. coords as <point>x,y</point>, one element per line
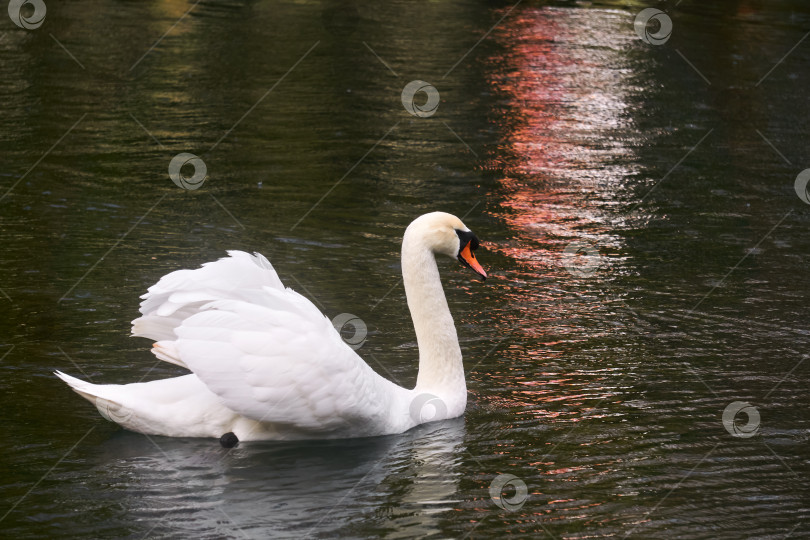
<point>400,485</point>
<point>425,481</point>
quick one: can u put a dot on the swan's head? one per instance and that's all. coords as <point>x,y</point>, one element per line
<point>445,234</point>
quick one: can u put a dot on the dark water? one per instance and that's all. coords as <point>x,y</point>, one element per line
<point>602,389</point>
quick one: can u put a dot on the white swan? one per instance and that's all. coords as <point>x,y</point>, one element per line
<point>267,364</point>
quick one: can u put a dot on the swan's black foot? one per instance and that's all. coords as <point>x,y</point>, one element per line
<point>229,440</point>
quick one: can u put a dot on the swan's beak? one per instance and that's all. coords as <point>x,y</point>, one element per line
<point>467,258</point>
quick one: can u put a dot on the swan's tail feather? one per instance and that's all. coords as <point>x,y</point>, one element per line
<point>109,409</point>
<point>79,386</point>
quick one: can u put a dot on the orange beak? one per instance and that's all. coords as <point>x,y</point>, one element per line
<point>467,257</point>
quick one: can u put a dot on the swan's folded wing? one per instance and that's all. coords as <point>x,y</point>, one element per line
<point>181,294</point>
<point>278,359</point>
<point>267,351</point>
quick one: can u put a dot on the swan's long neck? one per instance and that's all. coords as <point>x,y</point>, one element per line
<point>441,370</point>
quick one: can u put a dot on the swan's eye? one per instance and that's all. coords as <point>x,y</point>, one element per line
<point>467,237</point>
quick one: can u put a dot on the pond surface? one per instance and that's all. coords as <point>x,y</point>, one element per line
<point>599,380</point>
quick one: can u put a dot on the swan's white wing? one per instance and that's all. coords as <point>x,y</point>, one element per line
<point>180,294</point>
<point>282,365</point>
<point>267,351</point>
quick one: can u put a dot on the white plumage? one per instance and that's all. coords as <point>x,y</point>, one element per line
<point>267,364</point>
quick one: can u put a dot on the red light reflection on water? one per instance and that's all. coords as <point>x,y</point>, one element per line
<point>563,90</point>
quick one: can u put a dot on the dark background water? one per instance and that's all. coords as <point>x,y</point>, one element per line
<point>602,391</point>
